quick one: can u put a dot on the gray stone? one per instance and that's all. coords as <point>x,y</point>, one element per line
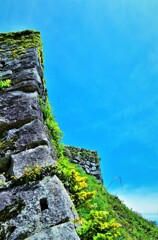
<point>93,168</point>
<point>40,209</point>
<point>93,163</point>
<point>26,61</point>
<point>26,74</point>
<point>5,73</point>
<point>67,152</point>
<point>2,178</point>
<point>87,170</point>
<point>88,161</point>
<point>28,95</point>
<point>26,86</point>
<point>40,155</point>
<point>65,231</point>
<point>17,110</point>
<point>28,136</point>
<point>38,206</point>
<point>97,172</point>
<point>74,161</point>
<point>78,158</point>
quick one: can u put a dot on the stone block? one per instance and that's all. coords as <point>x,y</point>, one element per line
<point>40,155</point>
<point>17,109</point>
<point>28,136</point>
<point>28,60</point>
<point>93,168</point>
<point>25,75</point>
<point>32,208</point>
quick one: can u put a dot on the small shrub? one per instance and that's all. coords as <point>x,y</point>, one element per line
<point>74,182</point>
<point>5,84</point>
<point>99,226</point>
<point>1,183</point>
<point>34,173</point>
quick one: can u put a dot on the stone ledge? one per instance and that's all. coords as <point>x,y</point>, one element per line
<point>40,155</point>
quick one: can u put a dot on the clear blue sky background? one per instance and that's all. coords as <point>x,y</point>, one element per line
<point>101,67</point>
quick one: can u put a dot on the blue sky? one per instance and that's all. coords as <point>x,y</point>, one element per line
<point>101,67</point>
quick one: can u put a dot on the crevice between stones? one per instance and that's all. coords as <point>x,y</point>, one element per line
<point>6,127</point>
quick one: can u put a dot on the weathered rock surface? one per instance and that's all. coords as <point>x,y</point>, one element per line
<point>88,160</point>
<point>28,60</point>
<point>29,135</point>
<point>36,208</point>
<point>63,231</point>
<point>26,74</point>
<point>40,155</point>
<point>17,109</point>
<point>40,209</point>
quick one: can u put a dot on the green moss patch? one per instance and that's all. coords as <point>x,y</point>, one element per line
<point>11,211</point>
<point>18,42</point>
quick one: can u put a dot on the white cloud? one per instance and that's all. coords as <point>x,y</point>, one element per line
<point>141,200</point>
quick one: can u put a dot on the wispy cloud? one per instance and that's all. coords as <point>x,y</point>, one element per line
<point>141,200</point>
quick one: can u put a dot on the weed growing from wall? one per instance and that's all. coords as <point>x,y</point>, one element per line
<point>20,41</point>
<point>74,182</point>
<point>52,125</point>
<point>34,173</point>
<point>5,83</point>
<point>100,226</point>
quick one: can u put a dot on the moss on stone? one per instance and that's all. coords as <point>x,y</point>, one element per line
<point>5,83</point>
<point>2,232</point>
<point>53,128</point>
<point>23,236</point>
<point>1,183</point>
<point>85,154</point>
<point>6,231</point>
<point>11,211</point>
<point>18,42</point>
<point>7,144</point>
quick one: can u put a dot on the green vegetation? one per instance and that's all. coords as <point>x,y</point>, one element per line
<point>133,225</point>
<point>11,211</point>
<point>1,183</point>
<point>34,173</point>
<point>74,182</point>
<point>7,144</point>
<point>77,184</point>
<point>5,83</point>
<point>102,215</point>
<point>99,225</point>
<point>53,128</point>
<point>18,42</point>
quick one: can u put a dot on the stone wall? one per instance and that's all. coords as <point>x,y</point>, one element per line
<point>88,160</point>
<point>41,209</point>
